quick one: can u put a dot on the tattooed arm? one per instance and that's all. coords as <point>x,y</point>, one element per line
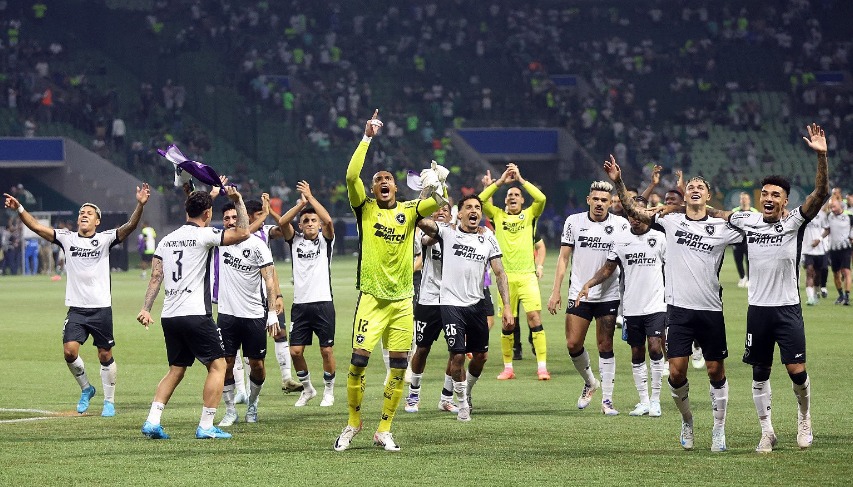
<point>144,316</point>
<point>615,174</point>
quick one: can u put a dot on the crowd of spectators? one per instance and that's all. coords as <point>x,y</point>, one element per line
<point>645,92</point>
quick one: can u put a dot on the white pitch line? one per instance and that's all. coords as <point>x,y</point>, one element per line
<point>50,415</point>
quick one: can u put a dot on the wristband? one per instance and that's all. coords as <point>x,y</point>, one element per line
<point>20,209</point>
<point>366,139</point>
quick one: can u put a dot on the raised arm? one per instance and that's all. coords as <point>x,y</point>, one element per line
<point>241,232</point>
<point>600,276</point>
<point>355,186</point>
<point>30,221</point>
<point>503,291</point>
<point>285,224</point>
<point>679,181</point>
<point>538,205</point>
<point>324,216</point>
<point>562,264</point>
<point>265,212</point>
<point>653,183</point>
<point>142,195</point>
<point>144,316</point>
<point>489,188</point>
<point>817,141</point>
<point>614,172</point>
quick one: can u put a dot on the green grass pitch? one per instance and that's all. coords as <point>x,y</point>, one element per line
<point>523,431</point>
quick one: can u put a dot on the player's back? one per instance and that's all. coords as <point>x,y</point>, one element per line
<point>186,255</point>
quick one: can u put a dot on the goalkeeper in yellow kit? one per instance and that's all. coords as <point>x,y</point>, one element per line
<point>515,229</point>
<point>386,229</point>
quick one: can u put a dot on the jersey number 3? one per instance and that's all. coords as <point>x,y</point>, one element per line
<point>177,275</point>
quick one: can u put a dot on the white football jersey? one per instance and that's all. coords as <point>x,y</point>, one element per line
<point>464,263</point>
<point>186,254</point>
<point>774,256</point>
<point>814,231</point>
<point>641,258</point>
<point>591,241</point>
<point>431,275</point>
<point>87,260</point>
<point>840,230</point>
<point>311,260</point>
<point>695,250</point>
<point>242,290</point>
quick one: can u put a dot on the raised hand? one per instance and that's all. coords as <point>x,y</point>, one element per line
<point>614,172</point>
<point>371,128</point>
<point>516,172</point>
<point>11,202</point>
<point>232,193</point>
<point>214,191</point>
<point>487,178</point>
<point>816,139</point>
<point>143,193</point>
<point>506,176</point>
<point>265,202</point>
<point>656,174</point>
<point>304,188</point>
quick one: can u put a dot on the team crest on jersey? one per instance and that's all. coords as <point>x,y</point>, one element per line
<point>401,218</point>
<point>216,230</point>
<point>709,229</point>
<point>451,341</point>
<point>608,229</point>
<point>94,242</point>
<point>652,242</point>
<point>778,227</point>
<point>481,238</point>
<point>246,253</point>
<point>521,216</point>
<point>359,339</point>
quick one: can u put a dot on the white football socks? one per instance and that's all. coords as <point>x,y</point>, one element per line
<point>78,370</point>
<point>108,380</point>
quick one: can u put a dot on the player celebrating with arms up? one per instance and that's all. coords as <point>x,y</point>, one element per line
<point>775,314</point>
<point>386,232</point>
<point>87,292</point>
<point>515,228</point>
<point>313,310</point>
<point>182,260</point>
